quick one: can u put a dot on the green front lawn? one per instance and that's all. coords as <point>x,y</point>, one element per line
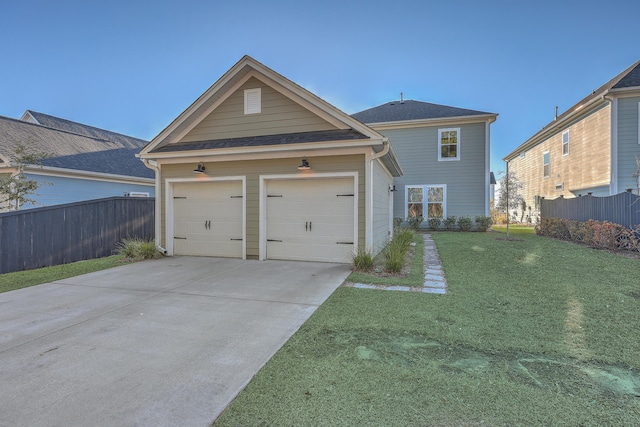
<point>531,332</point>
<point>23,279</point>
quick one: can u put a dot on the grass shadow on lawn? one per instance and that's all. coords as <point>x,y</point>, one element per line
<point>538,332</point>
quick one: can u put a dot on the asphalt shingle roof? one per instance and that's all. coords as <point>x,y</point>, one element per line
<point>397,111</point>
<point>69,150</point>
<point>90,131</point>
<point>256,141</point>
<point>630,79</point>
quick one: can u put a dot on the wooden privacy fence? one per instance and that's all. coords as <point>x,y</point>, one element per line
<point>72,232</point>
<point>623,209</point>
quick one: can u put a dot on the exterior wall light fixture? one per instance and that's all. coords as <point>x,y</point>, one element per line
<point>304,166</point>
<point>199,169</point>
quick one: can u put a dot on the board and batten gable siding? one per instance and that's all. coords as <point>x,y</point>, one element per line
<point>465,179</point>
<point>279,115</point>
<point>628,143</point>
<point>57,190</point>
<point>380,207</point>
<point>252,170</point>
<point>585,169</point>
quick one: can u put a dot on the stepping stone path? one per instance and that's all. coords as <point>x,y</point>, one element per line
<point>434,281</point>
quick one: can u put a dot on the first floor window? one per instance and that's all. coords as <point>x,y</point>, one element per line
<point>546,164</point>
<point>427,201</point>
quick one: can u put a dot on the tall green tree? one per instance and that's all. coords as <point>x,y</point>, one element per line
<point>16,189</point>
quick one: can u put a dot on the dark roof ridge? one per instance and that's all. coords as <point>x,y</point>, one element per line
<point>56,129</point>
<point>35,115</point>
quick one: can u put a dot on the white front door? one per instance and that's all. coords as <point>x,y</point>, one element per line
<point>310,219</point>
<point>207,218</point>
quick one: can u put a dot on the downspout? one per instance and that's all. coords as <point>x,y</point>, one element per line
<point>156,169</point>
<point>613,140</point>
<point>385,150</point>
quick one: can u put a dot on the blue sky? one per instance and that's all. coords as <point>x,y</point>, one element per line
<point>133,66</point>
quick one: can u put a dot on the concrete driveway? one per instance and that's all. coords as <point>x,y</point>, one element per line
<point>160,343</point>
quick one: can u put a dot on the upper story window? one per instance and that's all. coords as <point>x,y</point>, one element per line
<point>252,101</point>
<point>449,144</point>
<point>546,164</point>
<point>565,142</point>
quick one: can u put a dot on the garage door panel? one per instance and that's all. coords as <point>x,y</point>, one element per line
<point>310,219</point>
<point>208,218</point>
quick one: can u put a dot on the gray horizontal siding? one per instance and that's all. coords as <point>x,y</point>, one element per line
<point>628,147</point>
<point>417,152</point>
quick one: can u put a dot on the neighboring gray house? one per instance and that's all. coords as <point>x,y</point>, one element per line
<point>85,162</point>
<point>444,153</point>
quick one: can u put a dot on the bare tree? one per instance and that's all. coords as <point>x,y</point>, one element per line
<point>510,197</point>
<point>15,188</point>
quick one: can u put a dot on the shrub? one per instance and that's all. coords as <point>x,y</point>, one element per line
<point>397,223</point>
<point>414,222</point>
<point>138,249</point>
<point>450,223</point>
<point>597,234</point>
<point>483,223</point>
<point>434,223</point>
<point>464,223</point>
<point>403,237</point>
<point>362,260</point>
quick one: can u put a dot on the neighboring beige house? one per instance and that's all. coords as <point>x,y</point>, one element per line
<point>260,168</point>
<point>590,149</point>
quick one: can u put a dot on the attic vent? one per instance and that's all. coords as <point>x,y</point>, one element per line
<point>252,101</point>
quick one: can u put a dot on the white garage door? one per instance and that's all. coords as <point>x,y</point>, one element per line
<point>207,218</point>
<point>310,219</point>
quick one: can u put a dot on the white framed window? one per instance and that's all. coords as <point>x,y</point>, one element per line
<point>639,129</point>
<point>252,101</point>
<point>448,144</point>
<point>565,142</point>
<point>546,164</point>
<point>427,201</point>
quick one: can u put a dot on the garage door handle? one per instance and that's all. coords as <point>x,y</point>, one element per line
<point>207,225</point>
<point>309,225</point>
<point>344,243</point>
<point>274,240</point>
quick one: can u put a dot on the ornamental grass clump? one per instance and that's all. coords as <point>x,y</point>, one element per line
<point>362,260</point>
<point>396,251</point>
<point>137,249</point>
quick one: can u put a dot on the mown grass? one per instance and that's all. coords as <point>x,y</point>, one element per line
<point>515,229</point>
<point>23,279</point>
<point>531,332</point>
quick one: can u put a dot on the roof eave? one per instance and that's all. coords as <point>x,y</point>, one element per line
<point>552,127</point>
<point>262,149</point>
<point>476,118</point>
<point>100,176</point>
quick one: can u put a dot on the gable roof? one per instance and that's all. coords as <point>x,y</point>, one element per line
<point>628,80</point>
<point>244,69</point>
<point>408,110</point>
<point>70,150</point>
<point>82,129</point>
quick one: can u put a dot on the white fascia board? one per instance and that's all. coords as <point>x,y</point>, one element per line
<point>261,149</point>
<point>405,124</point>
<point>306,152</point>
<point>95,176</point>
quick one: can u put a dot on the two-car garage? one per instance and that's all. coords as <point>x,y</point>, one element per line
<point>307,219</point>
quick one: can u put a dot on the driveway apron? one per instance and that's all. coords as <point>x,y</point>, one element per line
<point>159,343</point>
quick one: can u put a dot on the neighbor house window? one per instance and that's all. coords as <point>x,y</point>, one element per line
<point>252,101</point>
<point>565,143</point>
<point>546,168</point>
<point>427,201</point>
<point>449,144</point>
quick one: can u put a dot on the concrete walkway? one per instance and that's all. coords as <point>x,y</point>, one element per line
<point>434,280</point>
<point>159,343</point>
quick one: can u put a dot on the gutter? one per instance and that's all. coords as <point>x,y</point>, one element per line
<point>553,126</point>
